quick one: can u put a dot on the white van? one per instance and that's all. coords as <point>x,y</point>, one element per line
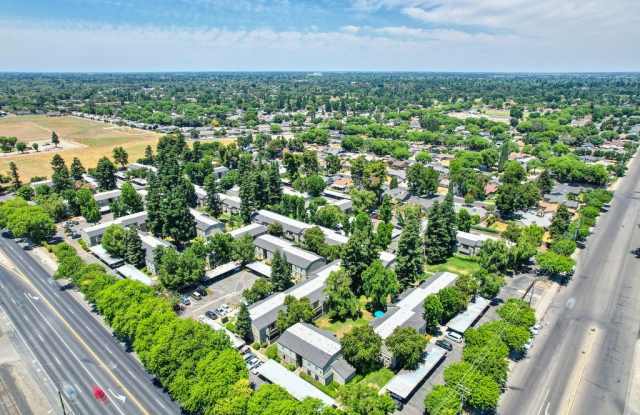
<point>456,337</point>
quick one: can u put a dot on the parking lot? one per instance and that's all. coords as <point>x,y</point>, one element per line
<point>225,291</point>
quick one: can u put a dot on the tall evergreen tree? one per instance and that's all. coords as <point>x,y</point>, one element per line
<point>15,177</point>
<point>560,222</point>
<point>545,182</point>
<point>410,255</point>
<point>213,204</point>
<point>275,184</point>
<point>280,272</point>
<point>360,251</point>
<point>248,203</point>
<point>243,323</point>
<point>55,140</point>
<point>177,221</point>
<point>105,174</point>
<point>505,150</point>
<point>153,204</point>
<point>148,158</point>
<point>436,236</point>
<point>134,254</point>
<point>385,210</point>
<point>77,169</point>
<point>60,176</point>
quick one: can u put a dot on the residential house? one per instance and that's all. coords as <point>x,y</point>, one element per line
<point>316,352</point>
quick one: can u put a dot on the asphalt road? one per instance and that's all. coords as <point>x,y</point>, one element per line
<point>72,345</point>
<point>581,362</point>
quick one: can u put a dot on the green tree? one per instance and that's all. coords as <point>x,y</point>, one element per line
<point>105,174</point>
<point>314,185</point>
<point>359,252</point>
<point>55,140</point>
<point>453,302</point>
<point>134,253</point>
<point>361,399</point>
<point>386,211</point>
<point>177,221</point>
<point>440,237</point>
<point>545,182</point>
<point>494,255</point>
<point>130,199</point>
<point>77,169</point>
<point>243,250</point>
<point>433,312</point>
<point>464,220</point>
<point>114,240</point>
<point>121,156</point>
<point>88,206</point>
<point>423,181</point>
<point>560,222</point>
<point>490,284</point>
<point>213,204</point>
<point>332,164</point>
<point>26,192</point>
<point>378,284</point>
<point>410,258</point>
<point>243,323</point>
<point>517,312</point>
<point>296,311</point>
<point>60,176</point>
<point>361,348</point>
<point>340,301</point>
<point>260,289</point>
<point>15,177</point>
<point>329,216</point>
<point>280,272</point>
<point>552,263</point>
<point>479,390</point>
<point>443,400</point>
<point>275,184</point>
<point>407,347</point>
<point>313,240</point>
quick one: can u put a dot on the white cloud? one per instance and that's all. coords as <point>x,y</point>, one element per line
<point>42,47</point>
<point>350,29</point>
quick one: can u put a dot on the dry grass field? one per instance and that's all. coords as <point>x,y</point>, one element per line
<point>89,141</point>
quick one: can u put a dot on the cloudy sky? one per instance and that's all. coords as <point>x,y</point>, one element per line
<point>378,35</point>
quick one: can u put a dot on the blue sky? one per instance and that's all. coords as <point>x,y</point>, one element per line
<point>421,35</point>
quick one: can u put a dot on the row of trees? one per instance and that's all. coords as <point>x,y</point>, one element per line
<point>476,382</point>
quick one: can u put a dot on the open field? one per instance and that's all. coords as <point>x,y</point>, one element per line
<point>91,140</point>
<point>458,264</point>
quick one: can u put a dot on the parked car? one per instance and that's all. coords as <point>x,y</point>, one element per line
<point>211,314</point>
<point>185,300</point>
<point>496,301</point>
<point>201,290</point>
<point>456,337</point>
<point>75,235</point>
<point>196,296</point>
<point>444,344</point>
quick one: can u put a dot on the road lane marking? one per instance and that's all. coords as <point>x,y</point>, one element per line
<point>95,381</point>
<point>83,343</point>
<point>579,369</point>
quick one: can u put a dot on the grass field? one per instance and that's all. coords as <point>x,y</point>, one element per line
<point>457,264</point>
<point>93,139</point>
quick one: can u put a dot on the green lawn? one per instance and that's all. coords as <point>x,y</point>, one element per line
<point>379,378</point>
<point>340,328</point>
<point>458,264</point>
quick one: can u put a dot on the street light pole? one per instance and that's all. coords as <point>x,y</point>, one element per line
<point>64,411</point>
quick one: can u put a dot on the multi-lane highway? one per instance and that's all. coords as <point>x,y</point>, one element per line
<point>581,363</point>
<point>72,346</point>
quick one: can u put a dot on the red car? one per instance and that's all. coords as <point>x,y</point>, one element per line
<point>99,394</point>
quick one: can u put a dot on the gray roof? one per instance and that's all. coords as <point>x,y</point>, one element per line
<point>296,386</point>
<point>464,320</point>
<point>267,217</point>
<point>406,381</point>
<point>264,312</point>
<point>104,256</point>
<point>294,256</point>
<point>252,229</point>
<point>343,368</point>
<point>314,345</point>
